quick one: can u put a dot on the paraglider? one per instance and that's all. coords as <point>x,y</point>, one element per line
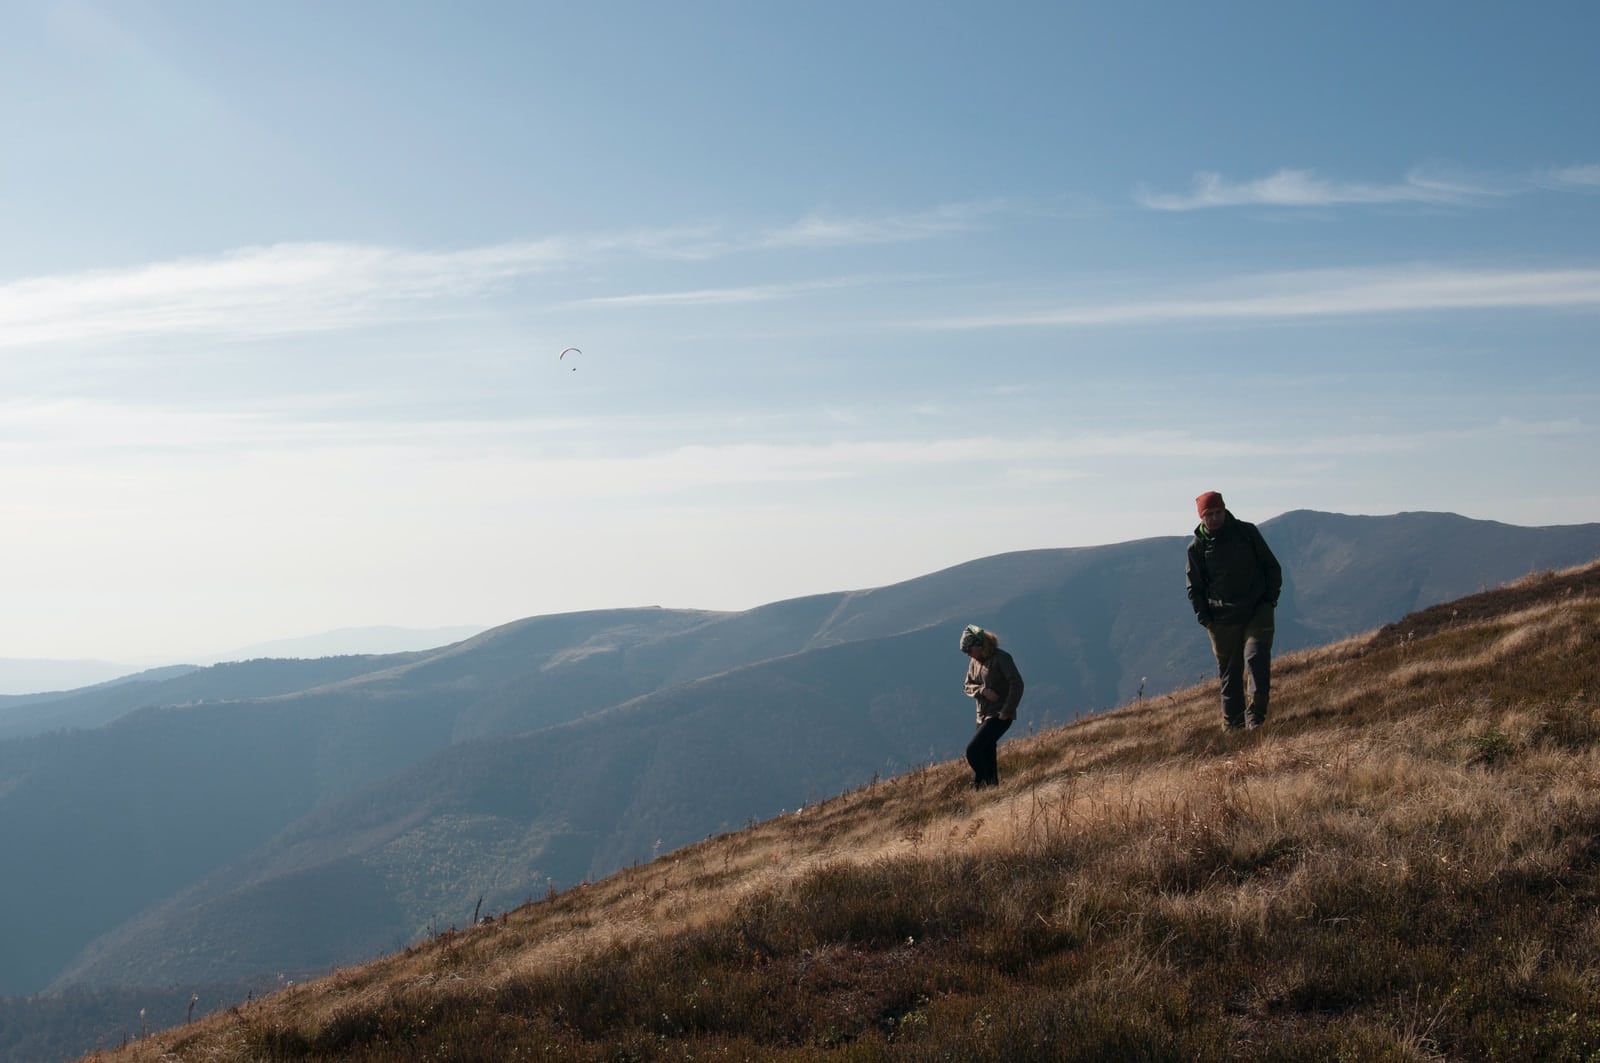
<point>563,354</point>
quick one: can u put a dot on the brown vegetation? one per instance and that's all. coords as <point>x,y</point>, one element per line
<point>1403,865</point>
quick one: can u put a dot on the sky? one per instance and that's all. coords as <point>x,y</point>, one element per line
<point>858,290</point>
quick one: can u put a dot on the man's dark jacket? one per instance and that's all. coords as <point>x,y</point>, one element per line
<point>1231,573</point>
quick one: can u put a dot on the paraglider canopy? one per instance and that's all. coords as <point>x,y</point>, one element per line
<point>569,350</point>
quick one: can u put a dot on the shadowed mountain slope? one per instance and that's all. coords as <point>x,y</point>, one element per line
<point>170,792</point>
<point>1402,865</point>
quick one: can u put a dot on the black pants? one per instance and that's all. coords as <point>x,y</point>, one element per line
<point>1241,649</point>
<point>981,752</point>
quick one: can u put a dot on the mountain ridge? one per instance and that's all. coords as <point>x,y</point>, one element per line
<point>33,678</point>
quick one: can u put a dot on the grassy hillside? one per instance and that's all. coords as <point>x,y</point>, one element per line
<point>1404,864</point>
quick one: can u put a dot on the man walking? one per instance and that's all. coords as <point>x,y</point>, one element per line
<point>1234,582</point>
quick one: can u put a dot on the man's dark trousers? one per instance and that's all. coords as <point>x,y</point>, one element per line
<point>1240,648</point>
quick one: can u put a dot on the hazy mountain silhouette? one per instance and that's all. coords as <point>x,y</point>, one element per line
<point>277,816</point>
<point>350,641</point>
<point>25,676</point>
<point>24,680</point>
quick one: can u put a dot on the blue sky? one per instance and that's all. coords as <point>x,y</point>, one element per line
<point>861,290</point>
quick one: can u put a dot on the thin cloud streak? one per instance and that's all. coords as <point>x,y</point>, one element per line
<point>295,288</point>
<point>459,456</point>
<point>1579,175</point>
<point>821,231</point>
<point>259,291</point>
<point>1331,293</point>
<point>755,293</point>
<point>57,430</point>
<point>1302,188</point>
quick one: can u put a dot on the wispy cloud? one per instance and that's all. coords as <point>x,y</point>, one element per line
<point>820,230</point>
<point>275,290</point>
<point>756,293</point>
<point>1303,188</point>
<point>1578,175</point>
<point>628,457</point>
<point>292,288</point>
<point>1321,293</point>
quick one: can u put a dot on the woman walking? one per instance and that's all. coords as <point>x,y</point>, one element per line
<point>995,685</point>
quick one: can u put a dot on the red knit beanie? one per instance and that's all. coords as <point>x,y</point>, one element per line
<point>1209,500</point>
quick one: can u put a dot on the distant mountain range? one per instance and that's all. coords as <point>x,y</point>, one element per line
<point>268,817</point>
<point>21,676</point>
<point>25,676</point>
<point>345,641</point>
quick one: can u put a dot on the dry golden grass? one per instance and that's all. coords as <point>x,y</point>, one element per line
<point>1404,864</point>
